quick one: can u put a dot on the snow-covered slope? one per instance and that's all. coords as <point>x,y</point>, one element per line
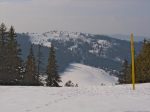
<point>84,75</point>
<point>45,38</point>
<point>59,35</point>
<point>39,39</point>
<point>88,99</point>
<point>74,47</point>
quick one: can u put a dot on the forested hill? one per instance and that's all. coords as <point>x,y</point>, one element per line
<point>72,47</point>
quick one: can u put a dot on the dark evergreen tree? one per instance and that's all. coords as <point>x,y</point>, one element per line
<point>142,63</point>
<point>31,77</point>
<point>3,34</point>
<point>39,60</point>
<point>53,78</point>
<point>124,73</point>
<point>3,38</point>
<point>13,61</point>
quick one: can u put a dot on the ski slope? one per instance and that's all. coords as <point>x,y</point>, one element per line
<point>117,98</point>
<point>84,75</point>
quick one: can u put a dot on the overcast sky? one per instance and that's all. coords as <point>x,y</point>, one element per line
<point>91,16</point>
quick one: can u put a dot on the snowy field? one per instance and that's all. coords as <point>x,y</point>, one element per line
<point>119,98</point>
<point>84,76</point>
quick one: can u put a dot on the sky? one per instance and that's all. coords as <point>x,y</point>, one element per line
<point>89,16</point>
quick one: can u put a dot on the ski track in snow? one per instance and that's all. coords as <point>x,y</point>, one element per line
<point>119,98</point>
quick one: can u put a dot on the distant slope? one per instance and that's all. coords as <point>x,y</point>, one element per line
<point>127,37</point>
<point>87,76</point>
<point>73,47</point>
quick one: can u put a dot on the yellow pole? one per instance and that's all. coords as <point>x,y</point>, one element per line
<point>133,66</point>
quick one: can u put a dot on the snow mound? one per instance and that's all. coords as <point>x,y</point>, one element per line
<point>87,76</point>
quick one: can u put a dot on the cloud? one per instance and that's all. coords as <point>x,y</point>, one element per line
<point>13,1</point>
<point>93,16</point>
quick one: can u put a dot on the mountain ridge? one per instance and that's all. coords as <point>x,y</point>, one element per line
<point>74,47</point>
<point>127,37</point>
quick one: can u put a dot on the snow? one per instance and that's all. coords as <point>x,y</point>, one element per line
<point>84,75</point>
<point>44,38</point>
<point>119,98</point>
<point>101,41</point>
<point>73,47</point>
<point>97,46</point>
<point>100,47</point>
<point>39,39</point>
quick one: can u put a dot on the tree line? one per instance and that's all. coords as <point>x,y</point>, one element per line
<point>14,71</point>
<point>142,66</point>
